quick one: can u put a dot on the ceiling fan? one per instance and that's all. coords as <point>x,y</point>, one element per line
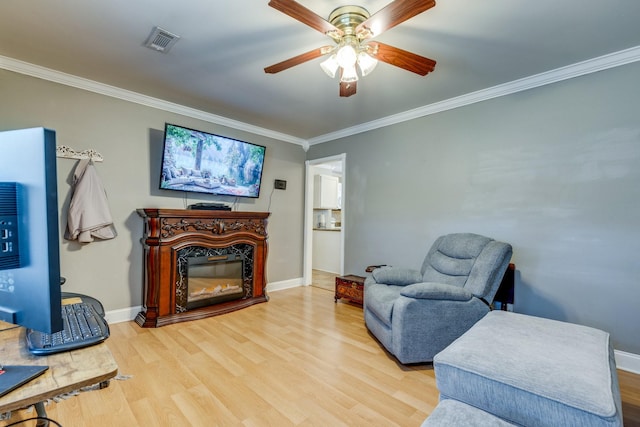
<point>352,28</point>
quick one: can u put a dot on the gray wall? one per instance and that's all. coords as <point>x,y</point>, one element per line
<point>129,136</point>
<point>555,171</point>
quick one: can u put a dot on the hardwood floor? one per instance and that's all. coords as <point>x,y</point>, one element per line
<point>298,360</point>
<point>324,280</point>
<point>630,392</point>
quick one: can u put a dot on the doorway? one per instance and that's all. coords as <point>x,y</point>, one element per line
<point>327,225</point>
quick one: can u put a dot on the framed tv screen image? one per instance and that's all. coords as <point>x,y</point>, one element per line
<point>202,162</point>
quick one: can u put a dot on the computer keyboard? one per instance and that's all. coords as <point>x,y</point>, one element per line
<point>82,326</point>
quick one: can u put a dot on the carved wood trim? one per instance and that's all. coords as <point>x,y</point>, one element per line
<point>172,226</point>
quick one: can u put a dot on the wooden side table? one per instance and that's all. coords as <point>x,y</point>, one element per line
<point>68,371</point>
<point>350,287</point>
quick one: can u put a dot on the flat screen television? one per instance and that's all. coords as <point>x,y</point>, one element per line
<point>201,162</point>
<point>30,293</point>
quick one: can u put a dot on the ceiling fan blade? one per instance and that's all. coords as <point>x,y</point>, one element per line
<point>401,58</point>
<point>391,15</point>
<point>347,88</point>
<point>306,16</point>
<point>297,60</point>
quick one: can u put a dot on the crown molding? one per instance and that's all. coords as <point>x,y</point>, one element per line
<point>37,71</point>
<point>600,63</point>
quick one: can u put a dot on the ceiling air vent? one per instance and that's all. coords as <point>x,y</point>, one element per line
<point>161,40</point>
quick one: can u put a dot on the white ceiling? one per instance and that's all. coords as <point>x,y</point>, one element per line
<point>217,65</point>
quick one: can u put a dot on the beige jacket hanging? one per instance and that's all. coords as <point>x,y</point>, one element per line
<point>89,214</point>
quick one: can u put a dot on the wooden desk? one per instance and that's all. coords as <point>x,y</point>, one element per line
<point>67,371</point>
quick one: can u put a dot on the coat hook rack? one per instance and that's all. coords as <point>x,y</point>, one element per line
<point>65,152</point>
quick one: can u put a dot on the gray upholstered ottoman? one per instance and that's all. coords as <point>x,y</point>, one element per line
<point>451,413</point>
<point>533,372</point>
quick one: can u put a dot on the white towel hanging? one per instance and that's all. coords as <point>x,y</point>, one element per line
<point>89,215</point>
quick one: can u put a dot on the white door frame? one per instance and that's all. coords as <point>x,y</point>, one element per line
<point>308,214</point>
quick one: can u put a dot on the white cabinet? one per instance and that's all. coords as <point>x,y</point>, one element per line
<point>327,251</point>
<point>325,192</point>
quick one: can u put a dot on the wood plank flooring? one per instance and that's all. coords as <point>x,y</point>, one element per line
<point>298,360</point>
<point>324,280</point>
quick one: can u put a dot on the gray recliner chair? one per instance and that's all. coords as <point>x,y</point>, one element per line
<point>416,314</point>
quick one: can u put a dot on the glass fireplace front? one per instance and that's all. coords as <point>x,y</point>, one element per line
<point>213,279</point>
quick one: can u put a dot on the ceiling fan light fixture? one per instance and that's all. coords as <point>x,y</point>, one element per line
<point>330,66</point>
<point>367,63</point>
<point>351,28</point>
<point>349,74</point>
<point>346,56</point>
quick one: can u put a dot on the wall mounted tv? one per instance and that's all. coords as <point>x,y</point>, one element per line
<point>202,162</point>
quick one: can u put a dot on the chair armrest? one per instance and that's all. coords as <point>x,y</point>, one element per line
<point>370,268</point>
<point>396,276</point>
<point>439,291</point>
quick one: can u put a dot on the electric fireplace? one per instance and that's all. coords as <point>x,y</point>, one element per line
<point>213,279</point>
<point>200,263</point>
<point>209,276</point>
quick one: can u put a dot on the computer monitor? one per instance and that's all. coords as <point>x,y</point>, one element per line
<point>30,293</point>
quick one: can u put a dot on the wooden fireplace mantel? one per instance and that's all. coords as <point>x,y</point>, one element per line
<point>166,231</point>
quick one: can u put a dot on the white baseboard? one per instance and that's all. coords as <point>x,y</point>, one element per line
<point>285,284</point>
<point>127,314</point>
<point>627,361</point>
<point>123,314</point>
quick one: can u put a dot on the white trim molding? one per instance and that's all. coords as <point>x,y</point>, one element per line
<point>589,66</point>
<point>604,62</point>
<point>284,284</point>
<point>37,71</point>
<point>627,361</point>
<point>130,313</point>
<point>123,314</point>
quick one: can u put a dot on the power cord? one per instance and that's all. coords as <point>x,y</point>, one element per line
<point>49,420</point>
<point>270,196</point>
